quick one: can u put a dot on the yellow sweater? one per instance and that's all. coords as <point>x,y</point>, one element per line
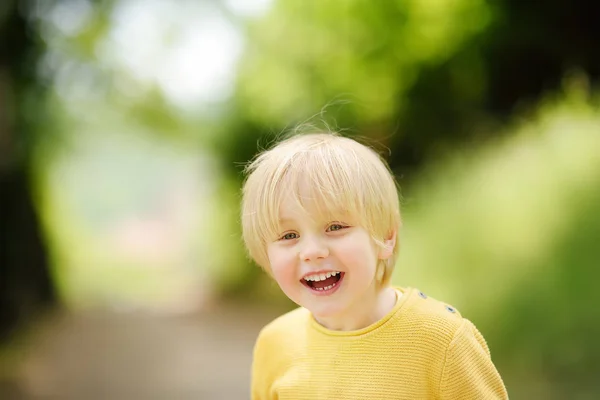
<point>423,349</point>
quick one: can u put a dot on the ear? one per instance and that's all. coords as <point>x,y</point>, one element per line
<point>389,243</point>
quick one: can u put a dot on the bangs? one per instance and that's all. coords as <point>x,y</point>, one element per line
<point>322,183</point>
<point>321,190</point>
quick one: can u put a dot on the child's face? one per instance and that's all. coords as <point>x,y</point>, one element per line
<point>342,256</point>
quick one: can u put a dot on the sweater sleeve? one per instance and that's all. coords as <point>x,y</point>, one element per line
<point>468,371</point>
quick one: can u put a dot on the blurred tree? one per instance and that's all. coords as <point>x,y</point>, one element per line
<point>418,77</point>
<point>525,52</point>
<point>25,281</point>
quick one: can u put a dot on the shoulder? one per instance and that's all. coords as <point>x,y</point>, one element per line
<point>288,323</point>
<point>465,368</point>
<point>438,323</point>
<point>283,331</point>
<point>434,320</point>
<point>277,342</point>
<point>421,307</point>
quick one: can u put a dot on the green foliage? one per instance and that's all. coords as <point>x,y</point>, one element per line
<point>508,233</point>
<point>305,54</point>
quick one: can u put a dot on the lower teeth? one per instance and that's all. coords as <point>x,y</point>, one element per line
<point>326,287</point>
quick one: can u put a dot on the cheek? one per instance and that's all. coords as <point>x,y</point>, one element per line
<point>282,263</point>
<point>359,254</point>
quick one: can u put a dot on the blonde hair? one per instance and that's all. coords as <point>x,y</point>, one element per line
<point>342,174</point>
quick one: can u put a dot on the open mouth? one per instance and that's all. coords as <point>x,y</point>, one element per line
<point>323,282</point>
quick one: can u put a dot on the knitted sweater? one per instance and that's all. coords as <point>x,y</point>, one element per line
<point>422,349</point>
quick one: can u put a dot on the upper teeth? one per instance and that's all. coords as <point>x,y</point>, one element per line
<point>320,277</point>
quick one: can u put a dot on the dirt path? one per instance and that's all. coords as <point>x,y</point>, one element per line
<point>139,356</point>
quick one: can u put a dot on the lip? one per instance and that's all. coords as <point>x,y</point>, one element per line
<point>324,292</point>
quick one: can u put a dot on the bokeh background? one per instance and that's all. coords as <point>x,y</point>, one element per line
<point>125,125</point>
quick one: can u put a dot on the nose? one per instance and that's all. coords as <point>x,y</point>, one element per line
<point>313,249</point>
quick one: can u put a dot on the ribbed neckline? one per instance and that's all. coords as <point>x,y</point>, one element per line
<point>404,295</point>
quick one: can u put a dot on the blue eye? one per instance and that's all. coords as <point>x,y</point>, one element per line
<point>289,236</point>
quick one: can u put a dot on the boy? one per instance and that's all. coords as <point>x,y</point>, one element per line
<point>320,213</point>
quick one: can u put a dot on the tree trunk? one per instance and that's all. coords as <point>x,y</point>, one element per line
<point>25,279</point>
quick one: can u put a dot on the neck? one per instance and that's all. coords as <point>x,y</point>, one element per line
<point>376,304</point>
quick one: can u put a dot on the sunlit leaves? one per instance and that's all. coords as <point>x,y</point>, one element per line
<point>304,55</point>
